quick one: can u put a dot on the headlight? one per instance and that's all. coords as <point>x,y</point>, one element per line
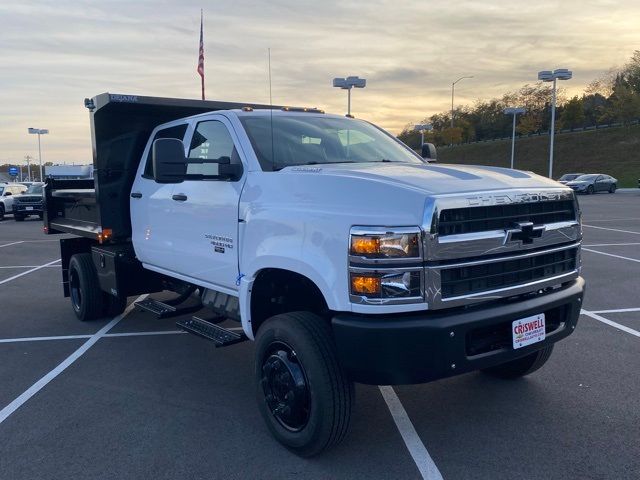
<point>385,265</point>
<point>386,244</point>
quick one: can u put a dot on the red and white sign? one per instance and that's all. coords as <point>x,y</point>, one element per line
<point>528,330</point>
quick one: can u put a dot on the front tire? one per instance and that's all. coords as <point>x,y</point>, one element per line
<point>612,189</point>
<point>1,211</point>
<point>521,366</point>
<point>303,393</point>
<point>18,218</point>
<point>590,190</point>
<point>86,297</point>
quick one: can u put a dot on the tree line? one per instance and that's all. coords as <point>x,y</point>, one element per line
<point>614,97</point>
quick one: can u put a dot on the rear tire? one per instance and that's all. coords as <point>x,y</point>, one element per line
<point>521,366</point>
<point>612,189</point>
<point>18,218</point>
<point>303,393</point>
<point>86,297</point>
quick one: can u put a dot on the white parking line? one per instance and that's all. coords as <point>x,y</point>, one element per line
<point>612,229</point>
<point>418,451</point>
<point>28,271</point>
<point>40,384</point>
<point>41,339</point>
<point>30,266</point>
<point>142,334</point>
<point>613,220</point>
<point>611,255</point>
<point>617,310</point>
<point>12,243</point>
<point>613,324</point>
<point>611,244</point>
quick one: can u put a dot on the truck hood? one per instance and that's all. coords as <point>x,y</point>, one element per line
<point>434,179</point>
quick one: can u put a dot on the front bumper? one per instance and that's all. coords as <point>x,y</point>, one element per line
<point>36,209</point>
<point>418,348</point>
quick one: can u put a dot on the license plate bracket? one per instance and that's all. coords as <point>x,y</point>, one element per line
<point>527,331</point>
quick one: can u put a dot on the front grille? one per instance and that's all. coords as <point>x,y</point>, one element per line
<point>29,200</point>
<point>499,217</point>
<point>472,279</point>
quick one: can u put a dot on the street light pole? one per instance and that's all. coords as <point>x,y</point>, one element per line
<point>549,76</point>
<point>39,131</point>
<point>553,127</point>
<point>28,159</point>
<point>347,84</point>
<point>453,88</point>
<point>513,111</point>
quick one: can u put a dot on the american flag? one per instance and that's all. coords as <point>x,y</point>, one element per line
<point>201,58</point>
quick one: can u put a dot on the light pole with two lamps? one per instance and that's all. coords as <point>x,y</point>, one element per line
<point>39,131</point>
<point>422,127</point>
<point>347,84</point>
<point>513,111</point>
<point>549,76</point>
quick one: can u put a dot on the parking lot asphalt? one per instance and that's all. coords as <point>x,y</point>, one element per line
<point>145,401</point>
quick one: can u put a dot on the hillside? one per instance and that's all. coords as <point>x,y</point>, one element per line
<point>614,151</point>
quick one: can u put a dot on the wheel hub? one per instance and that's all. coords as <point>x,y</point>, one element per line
<point>285,388</point>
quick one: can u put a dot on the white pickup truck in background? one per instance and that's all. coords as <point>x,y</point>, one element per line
<point>343,254</point>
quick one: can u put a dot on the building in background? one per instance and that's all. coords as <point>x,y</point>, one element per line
<point>69,171</point>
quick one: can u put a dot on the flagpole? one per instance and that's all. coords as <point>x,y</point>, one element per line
<point>201,54</point>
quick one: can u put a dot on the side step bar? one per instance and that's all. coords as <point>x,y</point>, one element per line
<point>164,310</point>
<point>218,335</point>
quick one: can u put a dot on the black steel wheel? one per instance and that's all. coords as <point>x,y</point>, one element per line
<point>84,288</point>
<point>285,387</point>
<point>303,393</point>
<point>521,366</point>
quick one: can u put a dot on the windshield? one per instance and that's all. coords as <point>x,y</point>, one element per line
<point>586,178</point>
<point>35,190</point>
<point>569,176</point>
<point>315,140</point>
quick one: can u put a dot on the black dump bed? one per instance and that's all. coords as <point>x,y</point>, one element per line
<point>120,128</point>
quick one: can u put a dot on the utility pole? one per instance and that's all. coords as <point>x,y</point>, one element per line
<point>28,159</point>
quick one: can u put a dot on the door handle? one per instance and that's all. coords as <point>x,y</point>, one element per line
<point>136,195</point>
<point>179,197</point>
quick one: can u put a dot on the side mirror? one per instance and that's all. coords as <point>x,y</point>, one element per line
<point>169,162</point>
<point>429,152</point>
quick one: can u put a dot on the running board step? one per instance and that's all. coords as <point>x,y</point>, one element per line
<point>218,335</point>
<point>163,310</point>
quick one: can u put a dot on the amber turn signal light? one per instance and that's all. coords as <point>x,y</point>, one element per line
<point>365,285</point>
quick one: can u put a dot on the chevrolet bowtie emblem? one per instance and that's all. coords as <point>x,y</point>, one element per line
<point>523,231</point>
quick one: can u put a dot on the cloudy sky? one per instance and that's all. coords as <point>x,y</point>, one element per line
<point>53,54</point>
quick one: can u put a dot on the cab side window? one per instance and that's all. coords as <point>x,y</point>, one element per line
<point>177,131</point>
<point>211,141</point>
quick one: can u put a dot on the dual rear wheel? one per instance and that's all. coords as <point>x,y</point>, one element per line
<point>89,302</point>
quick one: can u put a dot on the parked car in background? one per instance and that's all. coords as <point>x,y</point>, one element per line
<point>593,183</point>
<point>7,192</point>
<point>567,177</point>
<point>28,203</point>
